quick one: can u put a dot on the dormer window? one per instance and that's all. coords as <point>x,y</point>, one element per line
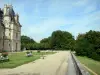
<point>7,11</point>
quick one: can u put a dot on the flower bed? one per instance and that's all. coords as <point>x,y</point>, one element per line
<point>4,56</point>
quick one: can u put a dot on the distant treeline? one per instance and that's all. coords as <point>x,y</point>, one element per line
<point>59,40</point>
<point>87,44</point>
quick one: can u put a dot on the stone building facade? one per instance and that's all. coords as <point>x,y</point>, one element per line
<point>12,29</point>
<point>1,30</point>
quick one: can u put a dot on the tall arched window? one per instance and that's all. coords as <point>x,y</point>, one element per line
<point>16,35</point>
<point>16,47</point>
<point>7,11</point>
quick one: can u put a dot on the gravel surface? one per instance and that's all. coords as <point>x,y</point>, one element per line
<point>55,64</point>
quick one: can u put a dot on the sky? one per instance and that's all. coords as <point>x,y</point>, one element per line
<point>39,18</point>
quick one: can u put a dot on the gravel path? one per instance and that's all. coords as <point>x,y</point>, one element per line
<point>55,64</point>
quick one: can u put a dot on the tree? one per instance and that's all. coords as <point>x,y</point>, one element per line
<point>26,42</point>
<point>88,44</point>
<point>45,40</point>
<point>45,43</point>
<point>61,40</point>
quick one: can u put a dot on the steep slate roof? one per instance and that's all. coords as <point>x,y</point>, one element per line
<point>11,11</point>
<point>1,13</point>
<point>1,17</point>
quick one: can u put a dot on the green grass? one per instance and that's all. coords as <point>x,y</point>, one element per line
<point>19,58</point>
<point>90,63</point>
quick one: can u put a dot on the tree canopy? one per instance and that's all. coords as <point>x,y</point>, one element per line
<point>88,44</point>
<point>61,40</point>
<point>26,42</point>
<point>58,40</point>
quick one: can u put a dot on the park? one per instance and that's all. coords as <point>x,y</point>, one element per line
<point>49,37</point>
<point>50,57</point>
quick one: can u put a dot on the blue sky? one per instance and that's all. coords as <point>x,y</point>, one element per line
<point>39,18</point>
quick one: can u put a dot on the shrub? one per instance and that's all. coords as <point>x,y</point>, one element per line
<point>4,53</point>
<point>38,51</point>
<point>4,56</point>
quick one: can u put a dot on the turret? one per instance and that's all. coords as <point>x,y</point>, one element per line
<point>5,10</point>
<point>8,12</point>
<point>17,18</point>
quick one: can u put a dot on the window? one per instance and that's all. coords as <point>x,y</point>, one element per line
<point>3,35</point>
<point>16,35</point>
<point>9,34</point>
<point>16,47</point>
<point>9,45</point>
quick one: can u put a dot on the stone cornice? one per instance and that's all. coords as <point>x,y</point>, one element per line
<point>12,29</point>
<point>11,39</point>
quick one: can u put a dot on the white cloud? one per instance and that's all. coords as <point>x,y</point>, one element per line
<point>42,18</point>
<point>44,27</point>
<point>80,25</point>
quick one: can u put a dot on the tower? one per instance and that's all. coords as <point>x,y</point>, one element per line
<point>12,29</point>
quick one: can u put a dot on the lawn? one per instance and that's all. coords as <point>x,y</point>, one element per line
<point>19,58</point>
<point>90,63</point>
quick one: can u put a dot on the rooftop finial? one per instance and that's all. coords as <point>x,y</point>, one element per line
<point>5,5</point>
<point>17,14</point>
